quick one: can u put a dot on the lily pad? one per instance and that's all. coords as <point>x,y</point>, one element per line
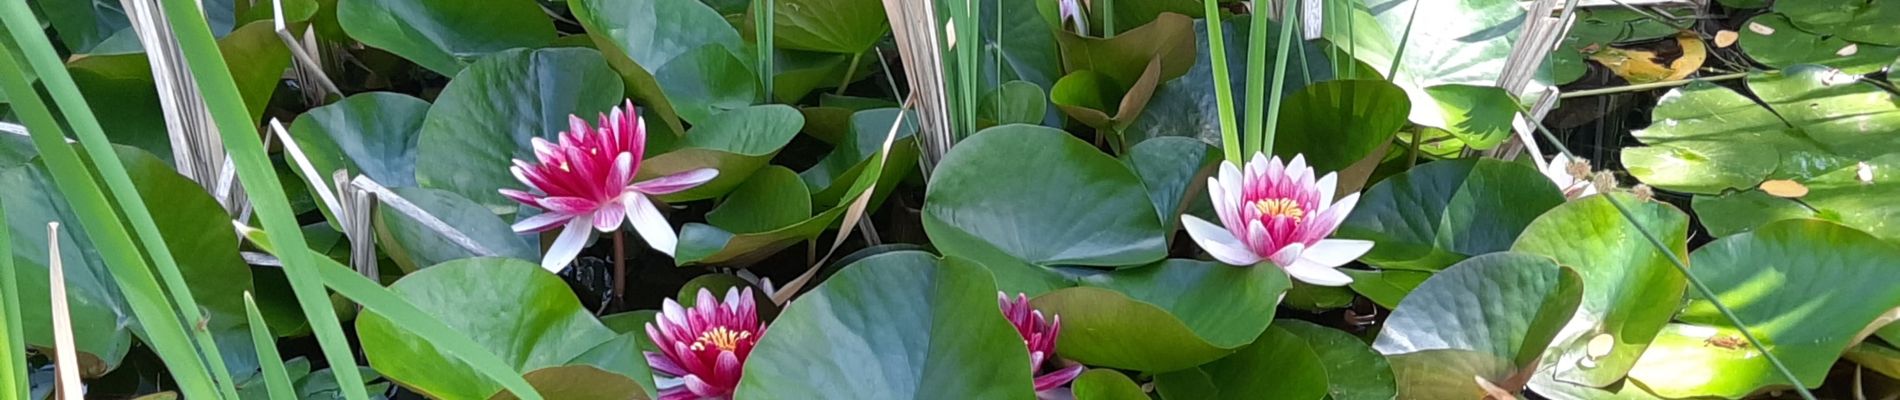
<point>709,244</point>
<point>1187,106</point>
<point>1774,41</point>
<point>1175,171</point>
<point>414,246</point>
<point>1043,197</point>
<point>195,228</point>
<point>898,325</point>
<point>1442,212</point>
<point>1337,123</point>
<point>488,114</point>
<point>1279,362</point>
<point>1166,316</point>
<point>1104,384</point>
<point>1123,58</point>
<point>1599,27</point>
<point>1489,317</point>
<point>641,38</point>
<point>835,26</point>
<point>1353,370</point>
<point>737,143</point>
<point>1806,288</point>
<point>373,134</point>
<point>1026,44</point>
<point>1625,279</point>
<point>833,176</point>
<point>553,331</point>
<point>1015,102</point>
<point>1449,43</point>
<point>445,35</point>
<point>1706,139</point>
<point>1859,21</point>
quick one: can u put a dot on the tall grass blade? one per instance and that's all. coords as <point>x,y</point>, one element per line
<point>1259,26</point>
<point>165,333</point>
<point>1288,19</point>
<point>965,45</point>
<point>1108,18</point>
<point>65,357</point>
<point>1398,56</point>
<point>763,14</point>
<point>1223,90</point>
<point>13,380</point>
<point>260,183</point>
<point>1700,287</point>
<point>276,379</point>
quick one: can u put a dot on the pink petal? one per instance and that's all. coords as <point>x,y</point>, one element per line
<point>542,222</point>
<point>663,365</point>
<point>1057,378</point>
<point>676,182</point>
<point>1219,242</point>
<point>521,197</point>
<point>568,245</point>
<point>700,387</point>
<point>678,393</point>
<point>622,171</point>
<point>568,205</point>
<point>647,221</point>
<point>1335,252</point>
<point>727,367</point>
<point>609,216</point>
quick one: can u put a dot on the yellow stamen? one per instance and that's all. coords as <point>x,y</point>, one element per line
<point>1280,207</point>
<point>722,338</point>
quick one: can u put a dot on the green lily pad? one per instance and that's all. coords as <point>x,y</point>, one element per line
<point>414,246</point>
<point>1278,362</point>
<point>1124,57</point>
<point>1624,276</point>
<point>835,26</point>
<point>1859,21</point>
<point>121,90</point>
<point>893,326</point>
<point>1488,317</point>
<point>1804,287</point>
<point>832,177</point>
<point>1707,139</point>
<point>1442,212</point>
<point>1187,106</point>
<point>1175,171</point>
<point>737,143</point>
<point>579,382</point>
<point>1774,41</point>
<point>1015,102</point>
<point>1337,123</point>
<point>195,228</point>
<point>373,134</point>
<point>771,198</point>
<point>555,331</point>
<point>1353,370</point>
<point>445,35</point>
<point>488,114</point>
<point>1463,43</point>
<point>1739,212</point>
<point>1385,287</point>
<point>1104,384</point>
<point>642,38</point>
<point>998,184</point>
<point>1025,47</point>
<point>709,244</point>
<point>1166,316</point>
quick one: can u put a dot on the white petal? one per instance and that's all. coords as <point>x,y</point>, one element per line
<point>1231,180</point>
<point>647,221</point>
<point>1317,275</point>
<point>538,221</point>
<point>1219,242</point>
<point>1293,168</point>
<point>1345,205</point>
<point>1327,186</point>
<point>1224,202</point>
<point>1335,252</point>
<point>1288,255</point>
<point>573,238</point>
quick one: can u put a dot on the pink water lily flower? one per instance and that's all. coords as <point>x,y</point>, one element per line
<point>586,181</point>
<point>703,349</point>
<point>1040,336</point>
<point>1276,212</point>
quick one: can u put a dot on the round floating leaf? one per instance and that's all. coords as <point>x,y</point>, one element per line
<point>893,326</point>
<point>414,246</point>
<point>121,90</point>
<point>579,382</point>
<point>1279,362</point>
<point>1186,106</point>
<point>1489,317</point>
<point>1386,287</point>
<point>194,226</point>
<point>1353,370</point>
<point>1025,44</point>
<point>1455,43</point>
<point>1442,212</point>
<point>1859,21</point>
<point>1806,288</point>
<point>373,134</point>
<point>1337,123</point>
<point>1597,27</point>
<point>1123,58</point>
<point>1166,316</point>
<point>641,38</point>
<point>1740,212</point>
<point>736,143</point>
<point>832,178</point>
<point>486,116</point>
<point>1624,276</point>
<point>445,35</point>
<point>1104,384</point>
<point>1044,197</point>
<point>1774,41</point>
<point>706,81</point>
<point>1014,102</point>
<point>1479,116</point>
<point>1175,171</point>
<point>771,198</point>
<point>836,26</point>
<point>525,315</point>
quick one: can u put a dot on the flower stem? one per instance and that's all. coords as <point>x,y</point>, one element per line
<point>1648,86</point>
<point>620,267</point>
<point>848,72</point>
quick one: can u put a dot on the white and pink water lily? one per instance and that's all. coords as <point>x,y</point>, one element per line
<point>1277,212</point>
<point>584,183</point>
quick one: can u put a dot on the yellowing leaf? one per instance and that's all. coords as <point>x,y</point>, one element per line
<point>1784,188</point>
<point>1643,66</point>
